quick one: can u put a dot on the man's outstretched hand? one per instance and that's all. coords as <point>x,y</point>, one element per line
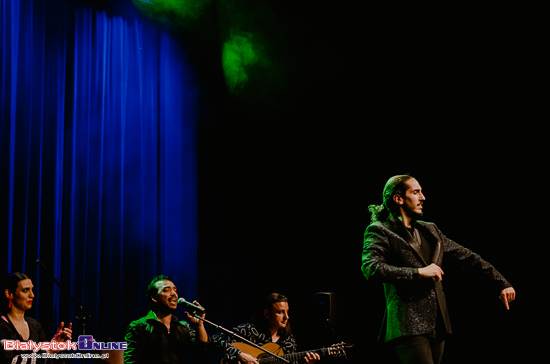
<point>507,295</point>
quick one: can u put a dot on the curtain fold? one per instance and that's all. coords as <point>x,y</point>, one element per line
<point>98,157</point>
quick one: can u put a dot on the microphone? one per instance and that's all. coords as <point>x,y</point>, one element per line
<point>191,306</point>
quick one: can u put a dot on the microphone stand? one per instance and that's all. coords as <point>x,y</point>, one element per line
<point>84,315</point>
<point>231,333</point>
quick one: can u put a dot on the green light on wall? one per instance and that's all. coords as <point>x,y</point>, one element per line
<point>251,61</point>
<point>239,53</point>
<point>176,11</point>
<point>185,8</point>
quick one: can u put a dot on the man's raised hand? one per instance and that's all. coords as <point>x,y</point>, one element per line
<point>431,270</point>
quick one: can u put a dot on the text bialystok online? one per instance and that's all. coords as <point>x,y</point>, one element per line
<point>85,342</point>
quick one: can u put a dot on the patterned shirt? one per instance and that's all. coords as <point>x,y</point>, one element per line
<point>251,333</point>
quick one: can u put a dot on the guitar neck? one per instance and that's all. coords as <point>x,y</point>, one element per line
<point>293,356</point>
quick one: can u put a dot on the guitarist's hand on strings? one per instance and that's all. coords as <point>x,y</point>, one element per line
<point>247,358</point>
<point>311,357</point>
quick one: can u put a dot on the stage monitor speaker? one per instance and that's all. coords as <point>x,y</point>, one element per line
<point>325,309</point>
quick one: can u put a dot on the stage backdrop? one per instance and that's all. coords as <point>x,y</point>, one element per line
<point>98,162</point>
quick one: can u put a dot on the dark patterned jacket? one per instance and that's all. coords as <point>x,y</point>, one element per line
<point>392,256</point>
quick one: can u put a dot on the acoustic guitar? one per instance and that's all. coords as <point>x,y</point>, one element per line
<point>263,357</point>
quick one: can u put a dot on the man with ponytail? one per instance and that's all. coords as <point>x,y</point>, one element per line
<point>407,255</point>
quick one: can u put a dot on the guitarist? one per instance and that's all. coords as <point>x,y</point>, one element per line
<point>270,325</point>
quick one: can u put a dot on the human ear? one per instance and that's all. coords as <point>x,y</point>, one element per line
<point>397,199</point>
<point>8,294</point>
<point>267,314</point>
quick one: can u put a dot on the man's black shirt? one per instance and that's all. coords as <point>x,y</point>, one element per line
<point>149,341</point>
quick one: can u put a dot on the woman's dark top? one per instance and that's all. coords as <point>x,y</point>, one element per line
<point>8,332</point>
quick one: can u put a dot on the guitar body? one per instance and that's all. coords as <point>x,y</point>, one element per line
<point>265,358</point>
<point>257,353</point>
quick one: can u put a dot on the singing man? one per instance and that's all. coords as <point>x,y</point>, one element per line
<point>160,337</point>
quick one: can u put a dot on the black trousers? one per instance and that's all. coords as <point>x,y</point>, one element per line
<point>424,349</point>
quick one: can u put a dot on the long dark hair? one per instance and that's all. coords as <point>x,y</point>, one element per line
<point>394,186</point>
<point>262,323</point>
<point>10,282</point>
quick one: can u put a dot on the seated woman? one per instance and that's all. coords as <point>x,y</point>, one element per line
<point>16,298</point>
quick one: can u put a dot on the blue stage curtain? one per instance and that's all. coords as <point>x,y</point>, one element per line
<point>98,159</point>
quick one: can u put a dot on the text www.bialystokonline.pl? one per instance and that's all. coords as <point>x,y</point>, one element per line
<point>65,356</point>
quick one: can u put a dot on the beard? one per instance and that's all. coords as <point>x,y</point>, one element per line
<point>413,214</point>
